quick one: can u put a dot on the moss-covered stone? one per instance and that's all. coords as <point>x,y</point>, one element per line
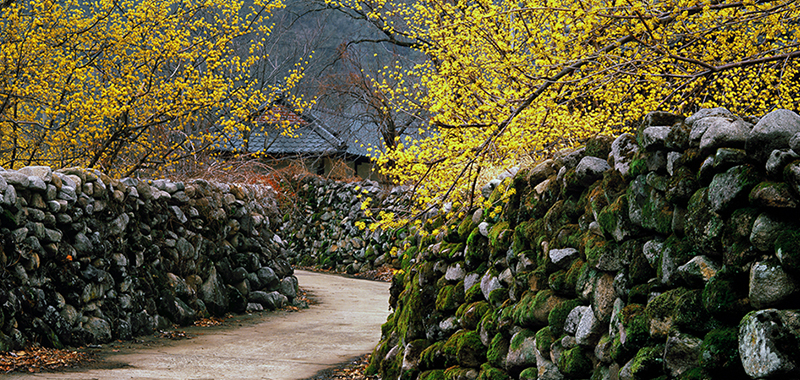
<point>639,293</point>
<point>450,298</point>
<point>477,249</point>
<point>388,326</point>
<point>737,249</point>
<point>500,236</point>
<point>558,283</point>
<point>377,356</point>
<point>648,363</point>
<point>466,227</point>
<point>498,349</point>
<point>558,315</point>
<point>682,184</point>
<point>411,307</point>
<point>614,220</point>
<point>532,310</point>
<point>465,348</point>
<point>531,373</point>
<point>433,357</point>
<point>787,249</point>
<point>696,373</point>
<point>635,325</point>
<point>648,207</point>
<point>556,217</point>
<point>537,279</point>
<point>435,374</point>
<point>702,225</point>
<point>544,339</point>
<point>488,372</point>
<point>575,362</point>
<point>498,296</point>
<point>720,351</point>
<point>489,324</point>
<point>473,294</point>
<point>679,307</point>
<point>474,313</point>
<point>725,295</point>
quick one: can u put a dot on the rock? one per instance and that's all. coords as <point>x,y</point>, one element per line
<point>574,319</point>
<point>99,330</point>
<point>778,160</point>
<point>288,287</point>
<point>681,353</point>
<point>769,284</point>
<point>654,137</point>
<point>175,309</point>
<point>623,150</point>
<point>590,169</point>
<point>589,329</point>
<point>708,112</point>
<point>541,172</point>
<point>765,230</point>
<point>773,131</point>
<point>271,300</point>
<point>563,257</point>
<point>489,283</point>
<point>768,343</point>
<point>698,271</point>
<point>726,158</point>
<point>455,272</point>
<point>723,132</point>
<point>773,195</point>
<point>522,350</point>
<point>214,294</point>
<point>728,187</point>
<point>268,278</point>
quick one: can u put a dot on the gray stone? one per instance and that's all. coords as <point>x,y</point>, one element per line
<point>268,278</point>
<point>15,178</point>
<point>794,142</point>
<point>483,228</point>
<point>778,159</point>
<point>726,158</point>
<point>574,318</point>
<point>99,330</point>
<point>470,280</point>
<point>654,137</point>
<point>489,283</point>
<point>118,225</point>
<point>723,132</point>
<point>672,159</point>
<point>708,112</point>
<point>179,214</point>
<point>766,229</point>
<point>522,350</point>
<point>541,172</point>
<point>773,131</point>
<point>623,149</point>
<point>681,353</point>
<point>175,309</point>
<point>36,183</point>
<point>589,329</point>
<point>288,287</point>
<point>652,251</point>
<point>214,294</point>
<point>455,272</point>
<point>43,172</point>
<point>590,169</point>
<point>698,270</point>
<point>271,300</point>
<point>767,343</point>
<point>773,195</point>
<point>563,257</point>
<point>769,284</point>
<point>727,187</point>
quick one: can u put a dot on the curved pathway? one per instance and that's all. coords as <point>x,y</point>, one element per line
<point>344,323</point>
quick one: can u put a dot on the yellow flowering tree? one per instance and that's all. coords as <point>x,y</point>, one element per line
<point>123,85</point>
<point>506,79</point>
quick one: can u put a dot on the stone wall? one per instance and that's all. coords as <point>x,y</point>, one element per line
<point>89,259</point>
<point>323,229</point>
<point>671,253</point>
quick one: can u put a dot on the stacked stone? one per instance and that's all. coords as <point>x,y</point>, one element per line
<point>671,253</point>
<point>89,259</point>
<point>324,231</point>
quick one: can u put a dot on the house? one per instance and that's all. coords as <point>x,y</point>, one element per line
<point>326,143</point>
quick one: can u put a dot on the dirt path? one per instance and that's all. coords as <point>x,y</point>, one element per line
<point>279,346</point>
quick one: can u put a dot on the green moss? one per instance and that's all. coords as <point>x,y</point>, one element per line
<point>648,362</point>
<point>449,298</point>
<point>573,273</point>
<point>636,325</point>
<point>411,308</point>
<point>556,218</point>
<point>465,349</point>
<point>640,293</point>
<point>466,227</point>
<point>681,306</point>
<point>489,322</point>
<point>558,282</point>
<point>696,373</point>
<point>474,294</point>
<point>557,316</point>
<point>575,362</point>
<point>597,248</point>
<point>488,372</point>
<point>724,295</point>
<point>544,338</point>
<point>474,313</point>
<point>432,357</point>
<point>638,167</point>
<point>498,296</point>
<point>477,249</point>
<point>530,373</point>
<point>720,351</point>
<point>388,326</point>
<point>436,374</point>
<point>500,236</point>
<point>787,248</point>
<point>532,310</point>
<point>498,349</point>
